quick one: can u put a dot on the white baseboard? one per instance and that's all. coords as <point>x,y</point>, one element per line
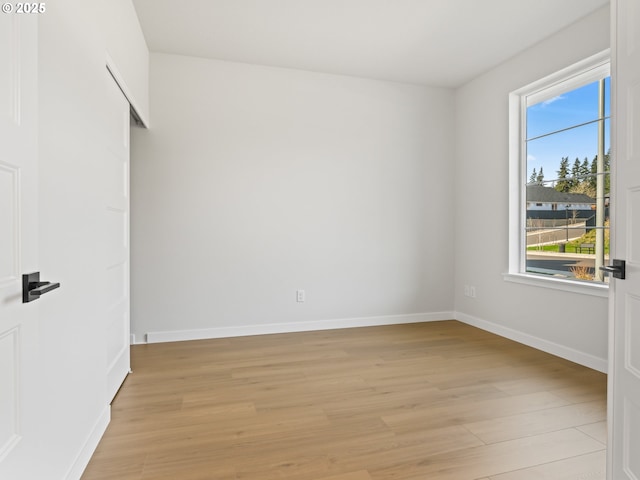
<point>553,348</point>
<point>245,330</point>
<point>90,445</point>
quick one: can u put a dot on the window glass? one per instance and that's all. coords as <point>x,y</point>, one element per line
<point>564,110</point>
<point>565,193</point>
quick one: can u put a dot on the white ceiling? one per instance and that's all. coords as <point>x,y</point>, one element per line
<point>432,42</point>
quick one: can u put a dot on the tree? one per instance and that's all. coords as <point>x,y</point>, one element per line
<point>533,177</point>
<point>575,172</point>
<point>585,170</point>
<point>593,180</point>
<point>540,177</point>
<point>594,170</point>
<point>585,188</point>
<point>563,184</point>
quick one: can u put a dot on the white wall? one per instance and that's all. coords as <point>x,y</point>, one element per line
<point>257,181</point>
<point>569,320</point>
<point>127,51</point>
<point>72,152</point>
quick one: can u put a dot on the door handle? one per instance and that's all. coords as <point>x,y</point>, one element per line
<point>617,269</point>
<point>32,287</point>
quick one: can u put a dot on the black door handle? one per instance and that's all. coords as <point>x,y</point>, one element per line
<point>32,287</point>
<point>617,270</point>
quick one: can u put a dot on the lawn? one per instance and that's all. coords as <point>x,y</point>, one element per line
<point>571,247</point>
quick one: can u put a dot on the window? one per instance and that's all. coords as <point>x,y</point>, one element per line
<point>560,162</point>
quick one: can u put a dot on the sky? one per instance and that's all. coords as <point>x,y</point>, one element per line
<point>569,109</point>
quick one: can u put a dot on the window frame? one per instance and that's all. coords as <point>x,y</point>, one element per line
<point>583,72</point>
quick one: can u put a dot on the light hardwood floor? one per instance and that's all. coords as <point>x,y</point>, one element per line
<point>429,401</point>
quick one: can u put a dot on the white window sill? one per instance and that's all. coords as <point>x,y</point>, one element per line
<point>574,286</point>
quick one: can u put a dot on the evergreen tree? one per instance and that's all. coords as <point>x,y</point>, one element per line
<point>540,177</point>
<point>563,184</point>
<point>585,170</point>
<point>575,173</point>
<point>533,177</point>
<point>593,180</point>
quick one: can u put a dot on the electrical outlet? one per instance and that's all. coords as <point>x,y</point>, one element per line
<point>472,292</point>
<point>300,296</point>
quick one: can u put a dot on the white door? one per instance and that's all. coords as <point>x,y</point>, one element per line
<point>624,379</point>
<point>117,237</point>
<point>19,367</point>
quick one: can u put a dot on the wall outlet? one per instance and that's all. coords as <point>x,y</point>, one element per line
<point>300,296</point>
<point>470,291</point>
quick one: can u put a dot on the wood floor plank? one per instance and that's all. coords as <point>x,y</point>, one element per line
<point>407,449</point>
<point>468,411</point>
<point>186,464</point>
<point>541,421</point>
<point>360,475</point>
<point>591,466</point>
<point>574,383</point>
<point>597,431</point>
<point>348,438</point>
<point>491,460</point>
<point>437,401</point>
<point>290,465</point>
<point>129,465</point>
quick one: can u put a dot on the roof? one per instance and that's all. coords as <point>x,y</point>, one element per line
<point>540,194</point>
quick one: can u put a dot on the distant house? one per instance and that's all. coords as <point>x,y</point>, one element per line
<point>548,199</point>
<point>547,203</point>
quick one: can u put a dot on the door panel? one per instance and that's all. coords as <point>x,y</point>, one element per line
<point>116,330</point>
<point>633,210</point>
<point>9,378</point>
<point>624,383</point>
<point>116,172</point>
<point>9,221</point>
<point>116,284</point>
<point>631,423</point>
<point>632,347</point>
<point>117,238</point>
<point>20,402</point>
<point>12,155</point>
